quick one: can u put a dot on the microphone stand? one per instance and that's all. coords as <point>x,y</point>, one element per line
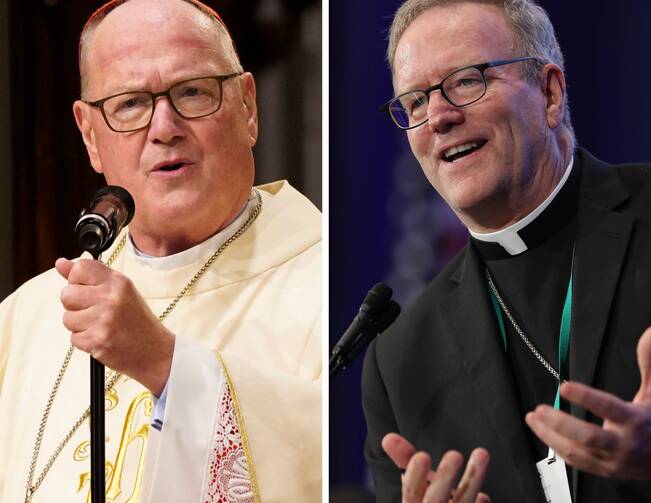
<point>110,210</point>
<point>97,429</point>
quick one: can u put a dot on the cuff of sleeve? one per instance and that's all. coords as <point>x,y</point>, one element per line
<point>194,389</point>
<point>158,414</point>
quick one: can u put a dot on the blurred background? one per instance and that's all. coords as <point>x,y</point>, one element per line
<point>388,224</point>
<point>45,176</point>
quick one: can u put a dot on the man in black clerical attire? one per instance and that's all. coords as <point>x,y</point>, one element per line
<point>552,286</point>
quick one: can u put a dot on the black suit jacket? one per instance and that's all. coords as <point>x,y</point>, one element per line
<point>440,376</point>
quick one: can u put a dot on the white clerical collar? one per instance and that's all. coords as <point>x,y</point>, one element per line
<point>198,252</point>
<point>509,237</point>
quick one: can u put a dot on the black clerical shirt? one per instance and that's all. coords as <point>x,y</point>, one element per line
<point>533,285</point>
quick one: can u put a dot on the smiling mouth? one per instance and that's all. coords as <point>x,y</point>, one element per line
<point>456,153</point>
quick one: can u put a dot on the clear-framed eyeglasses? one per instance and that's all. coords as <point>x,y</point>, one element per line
<point>460,88</point>
<point>191,99</point>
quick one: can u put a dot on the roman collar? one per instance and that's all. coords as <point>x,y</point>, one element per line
<point>537,226</point>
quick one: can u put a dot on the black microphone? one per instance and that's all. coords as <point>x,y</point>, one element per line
<point>110,210</point>
<point>381,323</point>
<point>385,319</point>
<point>374,302</point>
<point>377,312</point>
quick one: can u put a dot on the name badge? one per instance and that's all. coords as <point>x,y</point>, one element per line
<point>553,477</point>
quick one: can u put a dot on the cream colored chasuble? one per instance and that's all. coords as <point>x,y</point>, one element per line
<point>243,414</point>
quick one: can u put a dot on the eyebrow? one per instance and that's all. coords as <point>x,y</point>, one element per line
<point>123,89</point>
<point>127,86</point>
<point>447,71</point>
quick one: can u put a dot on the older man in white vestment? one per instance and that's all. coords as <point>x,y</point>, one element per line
<point>207,309</point>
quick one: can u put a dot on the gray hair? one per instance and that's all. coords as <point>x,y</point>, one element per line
<point>228,46</point>
<point>533,35</point>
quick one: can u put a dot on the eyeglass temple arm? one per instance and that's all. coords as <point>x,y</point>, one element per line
<point>501,62</point>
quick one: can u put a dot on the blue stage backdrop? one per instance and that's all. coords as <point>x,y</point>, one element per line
<point>387,224</point>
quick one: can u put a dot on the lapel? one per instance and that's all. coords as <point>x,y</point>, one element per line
<point>469,320</point>
<point>601,241</point>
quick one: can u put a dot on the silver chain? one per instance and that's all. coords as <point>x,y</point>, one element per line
<point>32,485</point>
<point>524,338</point>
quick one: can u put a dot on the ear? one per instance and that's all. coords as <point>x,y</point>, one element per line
<point>553,87</point>
<point>248,97</point>
<point>82,116</point>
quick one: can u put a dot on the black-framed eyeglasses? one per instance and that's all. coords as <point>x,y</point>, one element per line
<point>460,88</point>
<point>191,99</point>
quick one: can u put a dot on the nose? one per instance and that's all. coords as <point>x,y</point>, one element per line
<point>166,126</point>
<point>442,115</point>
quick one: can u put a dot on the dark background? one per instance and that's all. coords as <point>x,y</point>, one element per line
<point>388,224</point>
<point>46,176</point>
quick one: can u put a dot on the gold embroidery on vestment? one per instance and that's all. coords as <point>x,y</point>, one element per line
<point>111,399</point>
<point>81,452</point>
<point>131,431</point>
<point>84,478</point>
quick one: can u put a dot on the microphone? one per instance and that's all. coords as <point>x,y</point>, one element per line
<point>375,315</point>
<point>374,302</point>
<point>386,318</point>
<point>110,210</point>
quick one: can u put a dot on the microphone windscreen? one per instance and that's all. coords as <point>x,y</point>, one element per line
<point>112,194</point>
<point>111,209</point>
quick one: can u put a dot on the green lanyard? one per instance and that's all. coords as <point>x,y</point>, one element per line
<point>564,332</point>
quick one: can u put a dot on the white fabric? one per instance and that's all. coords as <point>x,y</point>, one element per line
<point>260,301</point>
<point>204,249</point>
<point>186,257</point>
<point>195,368</point>
<point>509,237</point>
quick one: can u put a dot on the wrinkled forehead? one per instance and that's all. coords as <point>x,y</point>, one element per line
<point>442,39</point>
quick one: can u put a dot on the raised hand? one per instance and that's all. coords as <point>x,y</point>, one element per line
<point>109,319</point>
<point>621,447</point>
<point>422,484</point>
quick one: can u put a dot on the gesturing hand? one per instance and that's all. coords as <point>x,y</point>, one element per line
<point>108,318</point>
<point>421,484</point>
<point>621,447</point>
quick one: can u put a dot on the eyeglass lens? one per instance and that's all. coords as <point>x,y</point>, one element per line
<point>194,98</point>
<point>459,88</point>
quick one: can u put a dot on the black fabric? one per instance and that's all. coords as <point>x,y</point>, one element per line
<point>533,284</point>
<point>440,375</point>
